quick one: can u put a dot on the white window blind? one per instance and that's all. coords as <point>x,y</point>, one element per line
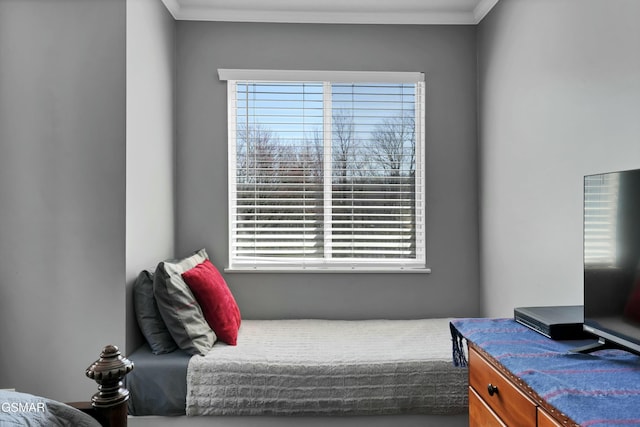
<point>326,173</point>
<point>600,219</point>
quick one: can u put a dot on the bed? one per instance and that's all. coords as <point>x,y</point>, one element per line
<point>307,367</point>
<point>201,362</point>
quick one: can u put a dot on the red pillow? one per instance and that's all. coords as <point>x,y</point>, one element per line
<point>218,305</point>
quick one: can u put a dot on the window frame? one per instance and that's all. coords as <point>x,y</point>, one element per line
<point>417,265</point>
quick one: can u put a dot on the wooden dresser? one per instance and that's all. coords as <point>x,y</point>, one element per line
<point>499,398</point>
<point>518,377</point>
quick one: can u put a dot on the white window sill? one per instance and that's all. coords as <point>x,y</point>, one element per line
<point>263,269</point>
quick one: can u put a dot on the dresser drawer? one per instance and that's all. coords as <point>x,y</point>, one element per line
<point>546,420</point>
<point>480,415</point>
<point>512,406</point>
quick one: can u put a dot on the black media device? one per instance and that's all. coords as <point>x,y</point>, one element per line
<point>556,322</point>
<point>611,260</point>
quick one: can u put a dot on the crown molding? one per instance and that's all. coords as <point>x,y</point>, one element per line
<point>172,6</point>
<point>230,12</point>
<point>482,8</point>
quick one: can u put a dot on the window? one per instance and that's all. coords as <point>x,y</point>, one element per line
<point>326,170</point>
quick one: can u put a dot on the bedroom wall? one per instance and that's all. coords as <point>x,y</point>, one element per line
<point>446,54</point>
<point>559,97</point>
<point>150,144</point>
<point>62,191</point>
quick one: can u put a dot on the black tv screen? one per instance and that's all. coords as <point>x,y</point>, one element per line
<point>612,259</point>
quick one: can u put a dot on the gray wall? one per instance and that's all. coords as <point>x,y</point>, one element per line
<point>62,191</point>
<point>446,54</point>
<point>150,144</point>
<point>559,92</point>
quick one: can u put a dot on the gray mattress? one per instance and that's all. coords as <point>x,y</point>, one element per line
<point>330,367</point>
<point>157,384</point>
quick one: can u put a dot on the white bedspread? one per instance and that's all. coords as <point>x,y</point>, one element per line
<point>330,367</point>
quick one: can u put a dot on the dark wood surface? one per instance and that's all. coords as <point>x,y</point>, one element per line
<point>109,404</point>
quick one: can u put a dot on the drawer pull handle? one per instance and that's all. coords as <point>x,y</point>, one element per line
<point>492,389</point>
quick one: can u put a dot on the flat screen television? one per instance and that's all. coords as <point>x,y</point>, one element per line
<point>611,259</point>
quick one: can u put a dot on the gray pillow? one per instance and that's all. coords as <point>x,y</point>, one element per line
<point>179,309</point>
<point>148,315</point>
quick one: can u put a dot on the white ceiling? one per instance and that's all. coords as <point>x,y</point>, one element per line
<point>333,11</point>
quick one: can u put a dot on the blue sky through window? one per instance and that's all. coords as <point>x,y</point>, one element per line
<point>292,115</point>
